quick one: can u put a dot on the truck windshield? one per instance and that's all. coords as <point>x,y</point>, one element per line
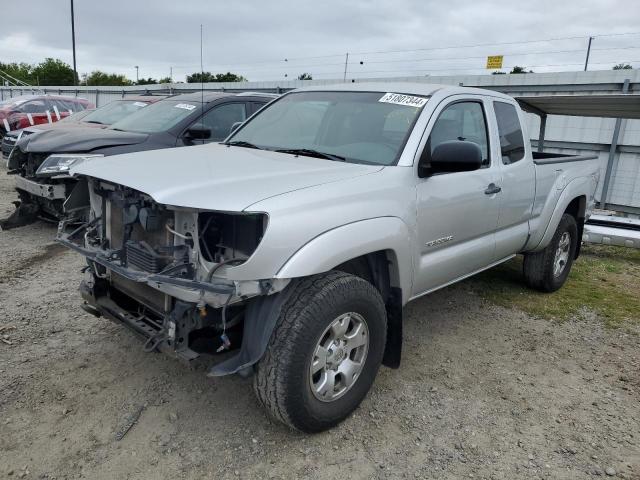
<point>114,111</point>
<point>356,127</point>
<point>159,117</point>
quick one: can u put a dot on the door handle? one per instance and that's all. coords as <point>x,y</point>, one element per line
<point>492,188</point>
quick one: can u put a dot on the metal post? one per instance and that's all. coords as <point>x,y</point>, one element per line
<point>612,154</point>
<point>73,45</point>
<point>97,96</point>
<point>346,63</point>
<point>586,61</point>
<point>137,68</point>
<point>170,74</point>
<point>543,128</point>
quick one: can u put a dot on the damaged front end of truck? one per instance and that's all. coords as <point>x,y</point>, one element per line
<point>161,271</point>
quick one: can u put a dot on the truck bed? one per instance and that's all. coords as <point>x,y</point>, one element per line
<point>544,158</point>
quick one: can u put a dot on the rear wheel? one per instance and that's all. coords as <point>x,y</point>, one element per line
<point>324,352</point>
<point>548,269</point>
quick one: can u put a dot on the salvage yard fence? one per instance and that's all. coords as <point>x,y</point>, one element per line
<point>616,142</point>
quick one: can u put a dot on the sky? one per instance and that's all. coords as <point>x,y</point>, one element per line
<point>283,38</point>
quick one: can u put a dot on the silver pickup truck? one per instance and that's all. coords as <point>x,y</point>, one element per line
<point>290,249</point>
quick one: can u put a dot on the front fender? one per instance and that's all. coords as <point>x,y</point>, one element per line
<point>352,240</point>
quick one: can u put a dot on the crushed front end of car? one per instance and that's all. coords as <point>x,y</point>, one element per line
<point>160,270</point>
<point>43,183</point>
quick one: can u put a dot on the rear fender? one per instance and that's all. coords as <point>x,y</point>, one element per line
<point>542,235</point>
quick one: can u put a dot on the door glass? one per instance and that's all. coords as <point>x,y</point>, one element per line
<point>220,119</point>
<point>35,106</point>
<point>461,121</point>
<point>510,131</point>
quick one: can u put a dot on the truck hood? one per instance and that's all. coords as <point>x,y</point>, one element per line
<point>217,177</point>
<point>74,139</point>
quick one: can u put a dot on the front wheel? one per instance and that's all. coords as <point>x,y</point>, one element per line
<point>548,269</point>
<point>324,352</point>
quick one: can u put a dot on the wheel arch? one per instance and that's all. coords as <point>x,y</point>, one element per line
<point>577,208</point>
<point>572,200</point>
<point>378,250</point>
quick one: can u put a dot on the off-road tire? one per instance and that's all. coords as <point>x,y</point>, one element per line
<point>281,382</point>
<point>539,267</point>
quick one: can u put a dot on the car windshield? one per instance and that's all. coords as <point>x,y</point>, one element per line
<point>114,111</point>
<point>357,127</point>
<point>159,117</point>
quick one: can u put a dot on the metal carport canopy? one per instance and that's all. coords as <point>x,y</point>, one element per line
<point>607,106</point>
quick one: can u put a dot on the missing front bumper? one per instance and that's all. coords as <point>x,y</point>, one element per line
<point>44,190</point>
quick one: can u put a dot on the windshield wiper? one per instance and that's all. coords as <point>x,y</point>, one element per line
<point>94,121</point>
<point>242,143</point>
<point>307,152</point>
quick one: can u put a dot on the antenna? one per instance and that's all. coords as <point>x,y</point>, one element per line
<point>201,79</point>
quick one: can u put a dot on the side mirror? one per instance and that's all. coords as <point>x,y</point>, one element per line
<point>453,156</point>
<point>234,127</point>
<point>198,132</point>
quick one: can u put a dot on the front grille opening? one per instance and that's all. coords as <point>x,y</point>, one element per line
<point>148,319</point>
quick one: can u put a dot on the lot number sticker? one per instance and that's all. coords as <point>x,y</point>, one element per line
<point>400,99</point>
<point>185,106</point>
<point>140,104</point>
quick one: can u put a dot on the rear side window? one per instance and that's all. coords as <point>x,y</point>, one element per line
<point>510,131</point>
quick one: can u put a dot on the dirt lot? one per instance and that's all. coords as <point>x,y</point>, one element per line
<point>549,389</point>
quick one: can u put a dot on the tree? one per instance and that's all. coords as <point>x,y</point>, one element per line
<point>147,81</point>
<point>107,79</point>
<point>53,72</point>
<point>205,77</point>
<point>20,71</point>
<point>622,66</point>
<point>165,80</point>
<point>305,76</point>
<point>49,72</point>
<point>518,69</point>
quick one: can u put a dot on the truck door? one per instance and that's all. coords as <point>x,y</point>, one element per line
<point>517,181</point>
<point>220,119</point>
<point>457,212</point>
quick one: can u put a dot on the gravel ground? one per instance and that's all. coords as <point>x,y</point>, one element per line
<point>483,392</point>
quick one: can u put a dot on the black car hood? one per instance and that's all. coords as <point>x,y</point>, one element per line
<point>78,139</point>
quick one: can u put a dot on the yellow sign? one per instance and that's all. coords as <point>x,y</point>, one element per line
<point>494,61</point>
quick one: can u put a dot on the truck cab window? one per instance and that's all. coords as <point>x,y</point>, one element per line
<point>220,119</point>
<point>510,131</point>
<point>463,121</point>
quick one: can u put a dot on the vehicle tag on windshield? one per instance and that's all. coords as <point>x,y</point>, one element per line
<point>400,99</point>
<point>185,106</point>
<point>140,104</point>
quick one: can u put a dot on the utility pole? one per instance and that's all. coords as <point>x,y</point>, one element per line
<point>73,45</point>
<point>346,63</point>
<point>586,61</point>
<point>170,74</point>
<point>137,70</point>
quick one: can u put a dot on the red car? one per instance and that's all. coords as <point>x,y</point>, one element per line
<point>27,110</point>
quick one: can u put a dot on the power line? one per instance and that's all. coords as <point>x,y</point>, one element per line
<point>414,60</point>
<point>365,72</point>
<point>451,47</point>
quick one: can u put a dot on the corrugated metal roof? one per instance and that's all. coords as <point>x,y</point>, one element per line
<point>606,106</point>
